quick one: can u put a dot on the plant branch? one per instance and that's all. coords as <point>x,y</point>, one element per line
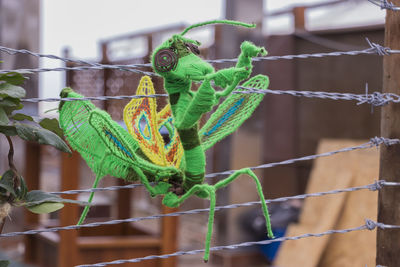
<point>11,155</point>
<point>17,182</point>
<point>3,221</point>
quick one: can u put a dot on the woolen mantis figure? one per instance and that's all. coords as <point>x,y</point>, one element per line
<point>173,169</point>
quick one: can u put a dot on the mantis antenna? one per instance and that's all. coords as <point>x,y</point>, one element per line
<point>229,22</point>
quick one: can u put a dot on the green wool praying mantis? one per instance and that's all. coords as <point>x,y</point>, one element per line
<point>173,169</point>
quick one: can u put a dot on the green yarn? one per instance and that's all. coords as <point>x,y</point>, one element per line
<point>109,149</point>
<point>231,114</point>
<point>188,107</point>
<point>86,209</point>
<point>249,172</point>
<point>189,137</point>
<point>229,22</point>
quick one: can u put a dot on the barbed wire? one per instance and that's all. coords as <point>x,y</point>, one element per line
<point>78,68</point>
<point>369,225</point>
<point>375,99</point>
<point>102,189</point>
<point>378,185</point>
<point>385,4</point>
<point>92,98</point>
<point>375,141</point>
<point>373,49</point>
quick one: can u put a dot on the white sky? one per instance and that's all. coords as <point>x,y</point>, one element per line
<point>80,24</point>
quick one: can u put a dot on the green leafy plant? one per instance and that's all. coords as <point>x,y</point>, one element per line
<point>13,189</point>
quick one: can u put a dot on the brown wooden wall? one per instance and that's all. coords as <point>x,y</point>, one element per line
<point>293,126</point>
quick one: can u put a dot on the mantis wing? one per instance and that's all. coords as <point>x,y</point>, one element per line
<point>140,116</point>
<point>144,124</point>
<point>105,145</point>
<point>232,112</point>
<point>173,147</point>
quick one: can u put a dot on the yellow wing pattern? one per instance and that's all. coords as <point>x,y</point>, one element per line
<point>145,125</point>
<point>173,148</point>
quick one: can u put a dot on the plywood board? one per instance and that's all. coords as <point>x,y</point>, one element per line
<point>322,213</point>
<point>356,248</point>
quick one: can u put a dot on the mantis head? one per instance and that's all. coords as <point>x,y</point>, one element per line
<point>178,58</point>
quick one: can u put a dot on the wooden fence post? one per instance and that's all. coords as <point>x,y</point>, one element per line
<point>388,246</point>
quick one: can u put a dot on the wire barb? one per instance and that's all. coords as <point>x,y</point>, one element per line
<point>385,4</point>
<point>386,141</point>
<point>380,50</point>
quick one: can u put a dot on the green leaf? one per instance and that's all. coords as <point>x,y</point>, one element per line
<point>52,125</point>
<point>14,78</point>
<point>10,90</point>
<point>8,130</point>
<point>3,117</point>
<point>10,104</point>
<point>27,132</point>
<point>36,197</point>
<point>4,263</point>
<point>46,207</point>
<point>21,117</point>
<point>40,135</point>
<point>7,183</point>
<point>22,190</point>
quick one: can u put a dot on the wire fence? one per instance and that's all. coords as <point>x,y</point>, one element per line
<point>374,99</point>
<point>369,225</point>
<point>374,49</point>
<point>374,142</point>
<point>378,185</point>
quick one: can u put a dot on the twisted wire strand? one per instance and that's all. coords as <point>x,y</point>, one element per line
<point>92,98</point>
<point>385,4</point>
<point>375,141</point>
<point>78,68</point>
<point>373,49</point>
<point>375,99</point>
<point>99,189</point>
<point>12,51</point>
<point>378,185</point>
<point>369,225</point>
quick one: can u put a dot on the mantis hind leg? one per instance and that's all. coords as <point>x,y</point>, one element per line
<point>86,209</point>
<point>99,175</point>
<point>172,200</point>
<point>249,172</point>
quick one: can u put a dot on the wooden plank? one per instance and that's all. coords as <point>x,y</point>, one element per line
<point>299,18</point>
<point>321,214</point>
<point>388,249</point>
<point>123,201</point>
<point>32,178</point>
<point>115,242</point>
<point>356,248</point>
<point>68,249</point>
<point>169,237</point>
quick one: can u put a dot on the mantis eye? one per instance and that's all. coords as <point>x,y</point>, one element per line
<point>194,48</point>
<point>165,60</point>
